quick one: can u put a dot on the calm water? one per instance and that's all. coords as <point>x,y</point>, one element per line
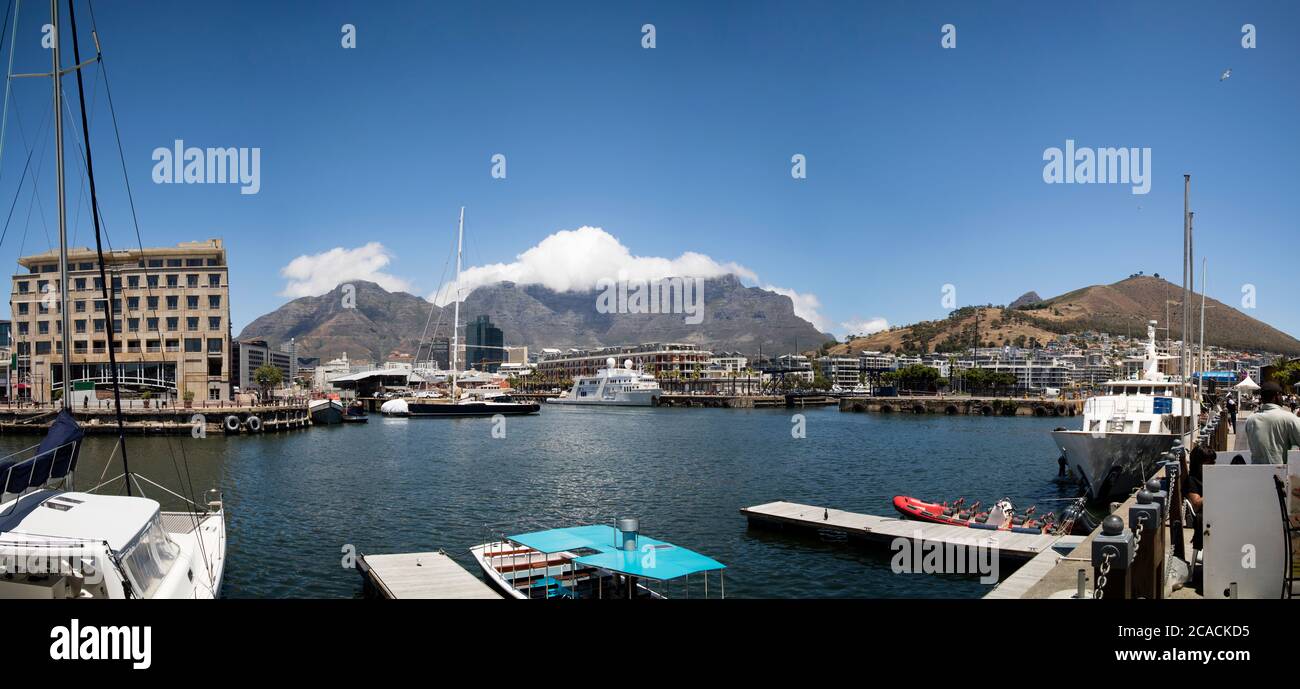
<point>396,485</point>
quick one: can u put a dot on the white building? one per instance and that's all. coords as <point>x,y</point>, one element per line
<point>840,370</point>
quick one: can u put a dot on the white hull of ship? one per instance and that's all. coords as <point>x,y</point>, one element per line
<point>1111,463</point>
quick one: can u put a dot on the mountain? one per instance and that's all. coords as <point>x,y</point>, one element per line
<point>1024,300</point>
<point>734,317</point>
<point>1121,308</point>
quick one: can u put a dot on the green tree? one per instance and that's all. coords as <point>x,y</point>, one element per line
<point>267,377</point>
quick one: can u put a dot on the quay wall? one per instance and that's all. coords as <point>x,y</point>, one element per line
<point>166,421</point>
<point>963,406</point>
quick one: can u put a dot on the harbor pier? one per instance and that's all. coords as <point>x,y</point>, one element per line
<point>171,420</point>
<point>963,406</point>
<point>420,575</point>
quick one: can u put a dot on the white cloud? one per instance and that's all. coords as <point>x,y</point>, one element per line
<point>576,259</point>
<point>864,326</point>
<point>806,306</point>
<point>315,274</point>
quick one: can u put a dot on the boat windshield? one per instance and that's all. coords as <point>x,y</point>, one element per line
<point>150,558</point>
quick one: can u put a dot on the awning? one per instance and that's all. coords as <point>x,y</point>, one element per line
<point>652,559</point>
<point>1247,384</point>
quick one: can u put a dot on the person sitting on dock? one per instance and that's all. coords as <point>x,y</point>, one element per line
<point>1272,430</point>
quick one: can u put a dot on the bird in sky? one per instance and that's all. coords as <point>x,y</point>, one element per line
<point>1226,73</point>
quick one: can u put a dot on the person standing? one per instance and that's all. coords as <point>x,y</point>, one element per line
<point>1272,429</point>
<point>1232,411</point>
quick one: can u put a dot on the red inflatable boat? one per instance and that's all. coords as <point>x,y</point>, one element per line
<point>1001,517</point>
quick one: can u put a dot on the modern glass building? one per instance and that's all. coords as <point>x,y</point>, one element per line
<point>484,345</point>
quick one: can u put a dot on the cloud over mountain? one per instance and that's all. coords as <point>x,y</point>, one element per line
<point>315,274</point>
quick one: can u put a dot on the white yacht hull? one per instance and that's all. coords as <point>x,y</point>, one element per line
<point>631,398</point>
<point>1111,463</point>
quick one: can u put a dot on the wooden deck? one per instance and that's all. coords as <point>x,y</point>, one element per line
<point>868,527</point>
<point>421,575</point>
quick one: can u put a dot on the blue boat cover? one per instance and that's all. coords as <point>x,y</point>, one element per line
<point>60,447</point>
<point>652,559</point>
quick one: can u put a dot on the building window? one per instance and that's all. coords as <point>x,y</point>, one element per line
<point>133,303</point>
<point>152,325</point>
<point>214,301</point>
<point>153,303</point>
<point>193,344</point>
<point>214,394</point>
<point>133,281</point>
<point>80,306</point>
<point>173,323</point>
<point>22,287</point>
<point>192,280</point>
<point>173,280</point>
<point>193,262</point>
<point>173,345</point>
<point>192,324</point>
<point>214,345</point>
<point>152,281</point>
<point>22,308</point>
<point>214,322</point>
<point>79,284</point>
<point>155,263</point>
<point>79,326</point>
<point>43,347</point>
<point>133,325</point>
<point>43,328</point>
<point>192,302</point>
<point>214,279</point>
<point>99,325</point>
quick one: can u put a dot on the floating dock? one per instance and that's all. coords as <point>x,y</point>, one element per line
<point>421,575</point>
<point>871,528</point>
<point>171,419</point>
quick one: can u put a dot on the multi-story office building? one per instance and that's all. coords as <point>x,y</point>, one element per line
<point>664,360</point>
<point>170,314</point>
<point>484,345</point>
<point>249,355</point>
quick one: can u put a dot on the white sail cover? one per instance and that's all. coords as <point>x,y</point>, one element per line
<point>394,407</point>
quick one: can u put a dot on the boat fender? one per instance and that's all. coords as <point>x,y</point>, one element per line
<point>231,424</point>
<point>979,525</point>
<point>1026,529</point>
<point>254,424</point>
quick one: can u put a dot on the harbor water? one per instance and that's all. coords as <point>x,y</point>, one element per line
<point>298,502</point>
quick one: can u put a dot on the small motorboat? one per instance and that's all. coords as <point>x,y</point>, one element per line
<point>355,413</point>
<point>1001,517</point>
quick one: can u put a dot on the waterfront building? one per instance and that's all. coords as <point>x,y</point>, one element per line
<point>661,359</point>
<point>335,368</point>
<point>843,371</point>
<point>870,361</point>
<point>170,315</point>
<point>291,349</point>
<point>249,355</point>
<point>728,362</point>
<point>484,345</point>
<point>436,352</point>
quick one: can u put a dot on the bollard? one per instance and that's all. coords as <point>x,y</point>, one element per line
<point>1144,519</point>
<point>1112,557</point>
<point>1159,496</point>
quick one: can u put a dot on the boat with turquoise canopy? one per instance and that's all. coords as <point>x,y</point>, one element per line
<point>597,561</point>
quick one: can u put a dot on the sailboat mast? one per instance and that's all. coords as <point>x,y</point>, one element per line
<point>63,213</point>
<point>455,328</point>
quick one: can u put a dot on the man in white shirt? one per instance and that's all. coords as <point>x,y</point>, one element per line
<point>1272,429</point>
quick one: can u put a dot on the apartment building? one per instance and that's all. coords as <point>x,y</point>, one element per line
<point>661,359</point>
<point>170,314</point>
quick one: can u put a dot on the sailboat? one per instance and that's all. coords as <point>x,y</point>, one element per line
<point>465,405</point>
<point>60,543</point>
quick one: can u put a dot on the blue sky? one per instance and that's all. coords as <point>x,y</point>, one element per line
<point>924,165</point>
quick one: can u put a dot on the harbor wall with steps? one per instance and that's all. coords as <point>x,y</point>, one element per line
<point>166,421</point>
<point>963,406</point>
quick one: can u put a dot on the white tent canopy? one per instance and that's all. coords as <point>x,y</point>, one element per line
<point>1247,384</point>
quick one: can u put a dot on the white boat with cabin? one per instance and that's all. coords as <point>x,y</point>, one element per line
<point>613,386</point>
<point>1129,427</point>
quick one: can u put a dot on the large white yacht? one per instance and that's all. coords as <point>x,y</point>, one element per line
<point>1129,427</point>
<point>613,386</point>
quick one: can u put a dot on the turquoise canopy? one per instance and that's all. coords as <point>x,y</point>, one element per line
<point>652,559</point>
